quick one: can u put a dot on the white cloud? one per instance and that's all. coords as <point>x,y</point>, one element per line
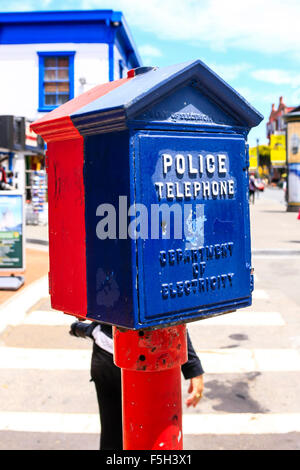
<point>149,51</point>
<point>277,77</point>
<point>24,5</point>
<point>229,71</point>
<point>295,98</point>
<point>270,26</point>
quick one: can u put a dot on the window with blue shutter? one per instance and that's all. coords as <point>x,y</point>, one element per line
<point>56,79</point>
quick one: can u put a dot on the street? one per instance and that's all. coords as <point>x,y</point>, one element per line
<point>251,359</point>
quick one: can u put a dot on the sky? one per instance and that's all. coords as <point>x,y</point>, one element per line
<point>253,45</point>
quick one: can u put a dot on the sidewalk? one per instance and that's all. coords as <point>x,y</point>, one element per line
<point>37,234</point>
<point>272,228</point>
<point>36,267</point>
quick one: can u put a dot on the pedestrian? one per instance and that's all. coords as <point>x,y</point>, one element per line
<point>107,379</point>
<point>252,188</point>
<point>3,181</point>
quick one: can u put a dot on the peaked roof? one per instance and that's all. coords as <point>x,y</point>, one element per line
<point>282,109</point>
<point>151,86</point>
<point>294,113</point>
<point>125,99</point>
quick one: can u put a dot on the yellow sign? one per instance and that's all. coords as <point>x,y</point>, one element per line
<point>278,150</point>
<point>294,142</point>
<point>253,158</point>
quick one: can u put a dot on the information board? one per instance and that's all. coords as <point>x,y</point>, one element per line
<point>11,231</point>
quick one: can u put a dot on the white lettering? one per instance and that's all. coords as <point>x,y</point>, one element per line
<point>170,194</point>
<point>231,187</point>
<point>159,188</point>
<point>206,189</point>
<point>197,187</point>
<point>200,164</point>
<point>180,164</point>
<point>192,170</point>
<point>210,164</point>
<point>221,162</point>
<point>223,188</point>
<point>187,189</point>
<point>167,162</point>
<point>214,188</point>
<point>179,195</point>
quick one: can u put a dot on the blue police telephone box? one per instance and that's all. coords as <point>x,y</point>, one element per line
<point>165,178</point>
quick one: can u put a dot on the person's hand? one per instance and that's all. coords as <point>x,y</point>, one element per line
<point>72,331</point>
<point>196,391</point>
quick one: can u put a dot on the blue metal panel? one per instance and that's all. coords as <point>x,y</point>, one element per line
<point>110,294</point>
<point>187,105</point>
<point>208,271</point>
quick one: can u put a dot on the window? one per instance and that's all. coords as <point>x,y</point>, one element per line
<point>56,79</point>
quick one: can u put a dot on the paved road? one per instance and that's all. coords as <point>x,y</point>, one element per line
<point>251,358</point>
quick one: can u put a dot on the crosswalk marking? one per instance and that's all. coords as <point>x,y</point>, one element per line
<point>245,318</point>
<point>14,310</point>
<point>216,361</point>
<point>241,423</point>
<point>260,294</point>
<point>276,257</point>
<point>70,423</point>
<point>221,361</point>
<point>48,318</point>
<point>45,359</point>
<point>193,424</point>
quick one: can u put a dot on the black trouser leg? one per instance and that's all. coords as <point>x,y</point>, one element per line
<point>107,378</point>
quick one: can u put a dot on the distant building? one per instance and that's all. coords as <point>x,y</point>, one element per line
<point>276,124</point>
<point>46,59</point>
<point>292,120</point>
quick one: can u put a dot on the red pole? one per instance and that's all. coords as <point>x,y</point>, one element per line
<point>151,386</point>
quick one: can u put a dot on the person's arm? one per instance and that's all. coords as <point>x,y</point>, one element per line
<point>193,370</point>
<point>82,330</point>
